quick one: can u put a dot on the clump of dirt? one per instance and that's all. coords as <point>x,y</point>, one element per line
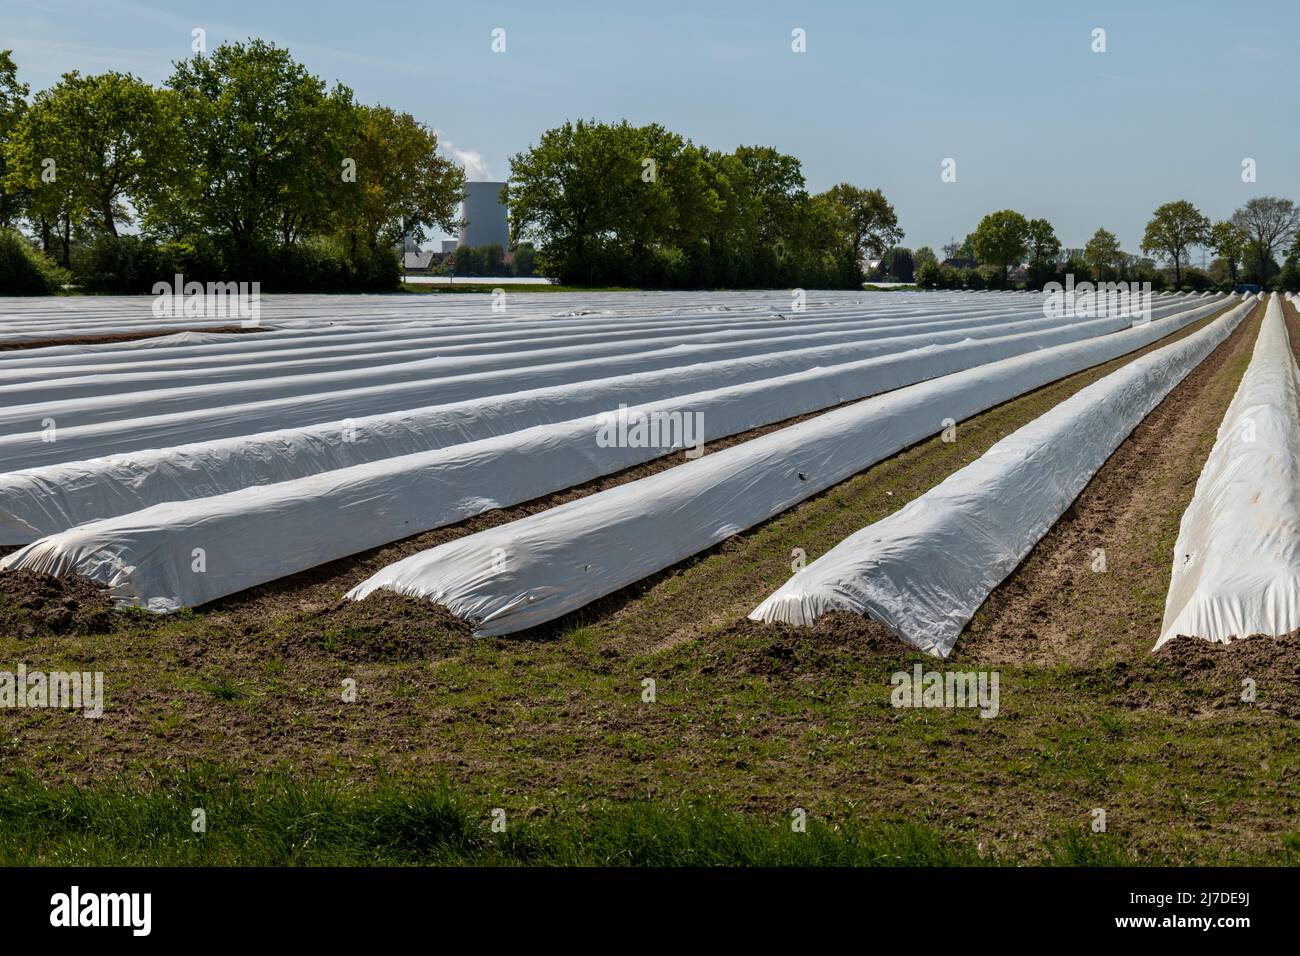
<point>1271,664</point>
<point>38,605</point>
<point>837,640</point>
<point>387,628</point>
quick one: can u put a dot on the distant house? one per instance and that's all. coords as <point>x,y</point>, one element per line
<point>417,260</point>
<point>960,263</point>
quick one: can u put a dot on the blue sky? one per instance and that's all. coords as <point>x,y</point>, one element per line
<point>1035,120</point>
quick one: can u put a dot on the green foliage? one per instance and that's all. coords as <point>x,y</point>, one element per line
<point>524,260</point>
<point>88,144</point>
<point>403,185</point>
<point>1042,249</point>
<point>481,261</point>
<point>1001,239</point>
<point>1173,229</point>
<point>1103,256</point>
<point>929,275</point>
<point>865,217</point>
<point>24,269</point>
<point>614,204</point>
<point>1288,279</point>
<point>1195,280</point>
<point>263,147</point>
<point>898,265</point>
<point>1267,222</point>
<point>13,104</point>
<point>1229,244</point>
<point>131,265</point>
<point>245,167</point>
<point>125,265</point>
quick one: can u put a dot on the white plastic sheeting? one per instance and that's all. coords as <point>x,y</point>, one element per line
<point>229,409</point>
<point>180,351</point>
<point>53,498</point>
<point>536,569</point>
<point>114,394</point>
<point>924,571</point>
<point>531,368</point>
<point>1237,559</point>
<point>30,378</point>
<point>255,535</point>
<point>33,320</point>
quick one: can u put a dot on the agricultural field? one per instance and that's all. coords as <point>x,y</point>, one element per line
<point>365,575</point>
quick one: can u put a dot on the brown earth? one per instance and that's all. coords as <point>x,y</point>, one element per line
<point>119,337</point>
<point>38,605</point>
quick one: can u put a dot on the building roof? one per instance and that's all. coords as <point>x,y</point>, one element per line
<point>417,260</point>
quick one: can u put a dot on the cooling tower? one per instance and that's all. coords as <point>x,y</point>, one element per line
<point>485,217</point>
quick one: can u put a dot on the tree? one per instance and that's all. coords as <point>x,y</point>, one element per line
<point>1173,229</point>
<point>620,204</point>
<point>13,104</point>
<point>103,134</point>
<point>402,183</point>
<point>867,219</point>
<point>898,264</point>
<point>523,260</point>
<point>929,274</point>
<point>1102,254</point>
<point>1229,244</point>
<point>263,142</point>
<point>922,256</point>
<point>1267,221</point>
<point>1042,248</point>
<point>1000,239</point>
<point>556,198</point>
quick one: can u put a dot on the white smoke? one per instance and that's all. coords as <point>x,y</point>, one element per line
<point>476,168</point>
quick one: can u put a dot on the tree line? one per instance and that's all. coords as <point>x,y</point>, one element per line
<point>623,205</point>
<point>242,166</point>
<point>1246,248</point>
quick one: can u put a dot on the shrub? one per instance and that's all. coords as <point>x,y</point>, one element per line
<point>929,275</point>
<point>124,265</point>
<point>131,265</point>
<point>24,269</point>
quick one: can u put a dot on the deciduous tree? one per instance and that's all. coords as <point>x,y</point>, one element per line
<point>1174,228</point>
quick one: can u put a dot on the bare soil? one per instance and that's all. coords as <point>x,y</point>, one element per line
<point>118,337</point>
<point>38,605</point>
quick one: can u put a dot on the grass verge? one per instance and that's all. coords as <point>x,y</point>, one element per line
<point>279,822</point>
